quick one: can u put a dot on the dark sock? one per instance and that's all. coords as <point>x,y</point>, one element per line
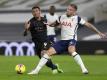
<point>51,65</point>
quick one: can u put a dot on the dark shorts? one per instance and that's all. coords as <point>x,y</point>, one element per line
<point>62,45</point>
<point>52,38</point>
<point>39,46</point>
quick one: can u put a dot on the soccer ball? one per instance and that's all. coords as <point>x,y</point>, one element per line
<point>20,68</point>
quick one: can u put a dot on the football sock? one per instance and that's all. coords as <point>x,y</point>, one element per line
<point>50,64</point>
<point>42,62</point>
<point>78,60</point>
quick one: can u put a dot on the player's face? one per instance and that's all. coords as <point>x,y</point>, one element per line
<point>52,10</point>
<point>36,12</point>
<point>70,10</point>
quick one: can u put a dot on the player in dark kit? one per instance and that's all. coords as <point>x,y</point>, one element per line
<point>38,30</point>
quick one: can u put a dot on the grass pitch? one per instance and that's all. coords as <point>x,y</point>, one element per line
<point>97,66</point>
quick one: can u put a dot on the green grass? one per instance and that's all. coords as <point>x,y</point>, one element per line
<point>97,66</point>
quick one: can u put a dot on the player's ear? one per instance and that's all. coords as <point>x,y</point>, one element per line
<point>28,22</point>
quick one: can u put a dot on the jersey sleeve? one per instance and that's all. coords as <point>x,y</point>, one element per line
<point>45,16</point>
<point>82,21</point>
<point>45,19</point>
<point>59,19</point>
<point>30,21</point>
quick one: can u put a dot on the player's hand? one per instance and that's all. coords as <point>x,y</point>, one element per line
<point>102,35</point>
<point>25,33</point>
<point>27,24</point>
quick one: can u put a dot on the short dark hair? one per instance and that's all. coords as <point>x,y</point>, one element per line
<point>52,6</point>
<point>36,7</point>
<point>74,6</point>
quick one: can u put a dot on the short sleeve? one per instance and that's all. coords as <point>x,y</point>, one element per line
<point>82,21</point>
<point>45,16</point>
<point>44,19</point>
<point>59,19</point>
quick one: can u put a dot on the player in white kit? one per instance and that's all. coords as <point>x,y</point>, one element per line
<point>69,24</point>
<point>51,18</point>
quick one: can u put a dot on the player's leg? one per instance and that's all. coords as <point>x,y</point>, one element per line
<point>50,64</point>
<point>55,67</point>
<point>77,58</point>
<point>40,53</point>
<point>52,50</point>
<point>43,60</point>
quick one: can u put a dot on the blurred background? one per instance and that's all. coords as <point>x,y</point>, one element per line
<point>13,14</point>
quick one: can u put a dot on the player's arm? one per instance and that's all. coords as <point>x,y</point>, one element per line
<point>57,22</point>
<point>54,24</point>
<point>92,27</point>
<point>27,26</point>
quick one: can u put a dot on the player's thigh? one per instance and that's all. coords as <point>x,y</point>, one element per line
<point>56,48</point>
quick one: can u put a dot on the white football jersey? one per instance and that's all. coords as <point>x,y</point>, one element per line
<point>69,26</point>
<point>51,19</point>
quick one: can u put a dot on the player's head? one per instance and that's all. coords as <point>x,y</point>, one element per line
<point>71,9</point>
<point>52,10</point>
<point>36,11</point>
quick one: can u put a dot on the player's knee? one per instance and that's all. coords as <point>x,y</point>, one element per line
<point>43,52</point>
<point>71,49</point>
<point>51,51</point>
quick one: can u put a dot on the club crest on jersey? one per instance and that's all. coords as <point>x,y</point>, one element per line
<point>45,44</point>
<point>66,23</point>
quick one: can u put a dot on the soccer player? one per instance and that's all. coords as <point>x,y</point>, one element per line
<point>69,24</point>
<point>38,30</point>
<point>51,18</point>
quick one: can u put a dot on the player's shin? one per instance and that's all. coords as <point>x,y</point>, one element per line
<point>41,63</point>
<point>79,61</point>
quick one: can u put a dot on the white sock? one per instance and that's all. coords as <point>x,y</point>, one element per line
<point>79,61</point>
<point>41,63</point>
